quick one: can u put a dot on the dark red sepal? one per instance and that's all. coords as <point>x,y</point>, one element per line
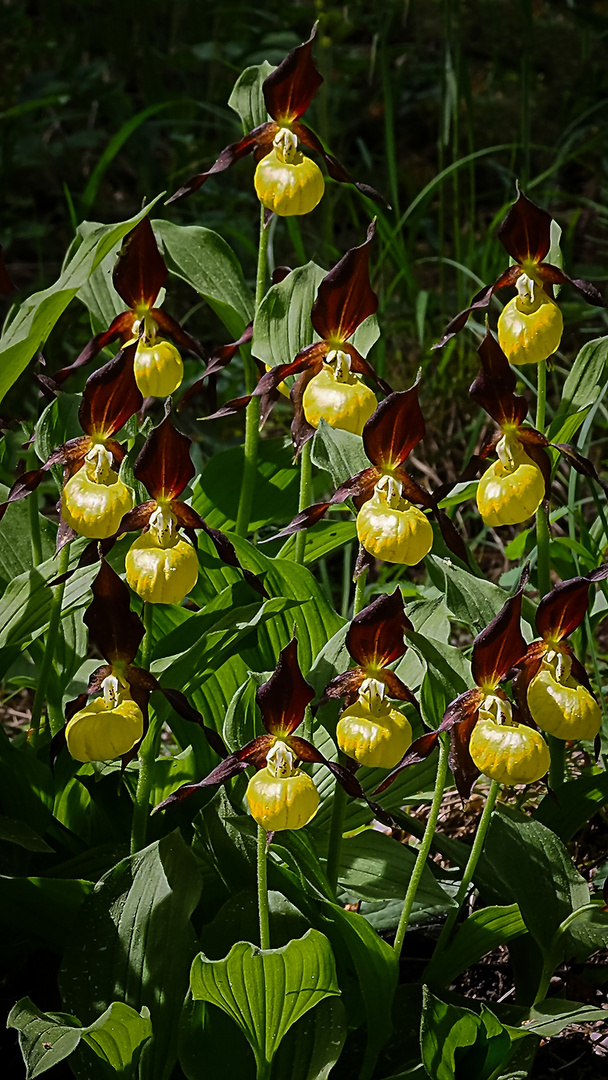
<point>231,766</point>
<point>580,464</point>
<point>223,546</point>
<point>116,630</point>
<point>259,139</point>
<point>460,719</point>
<point>494,387</point>
<point>111,395</point>
<point>419,751</point>
<point>480,301</point>
<point>290,88</point>
<point>525,233</point>
<point>283,699</point>
<point>220,359</point>
<point>376,635</point>
<point>307,752</point>
<point>172,329</point>
<point>140,271</point>
<point>394,429</point>
<point>120,327</point>
<point>184,709</point>
<point>335,168</point>
<point>500,646</point>
<point>164,465</point>
<point>562,610</point>
<point>345,297</point>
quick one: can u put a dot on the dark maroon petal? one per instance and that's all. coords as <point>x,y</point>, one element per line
<point>231,766</point>
<point>500,646</point>
<point>222,356</point>
<point>230,408</point>
<point>412,491</point>
<point>140,271</point>
<point>554,275</point>
<point>184,709</point>
<point>398,690</point>
<point>562,610</point>
<point>307,752</point>
<point>580,463</point>
<point>335,168</point>
<point>494,387</point>
<point>303,520</point>
<point>419,751</point>
<point>308,359</point>
<point>227,554</point>
<point>361,366</point>
<point>345,685</point>
<point>392,432</point>
<point>261,136</point>
<point>290,88</point>
<point>116,630</point>
<point>345,297</point>
<point>376,635</point>
<point>120,327</point>
<point>111,395</point>
<point>164,465</point>
<point>301,431</point>
<point>480,301</point>
<point>173,330</point>
<point>526,231</point>
<point>283,699</point>
<point>451,536</point>
<point>138,518</point>
<point>463,767</point>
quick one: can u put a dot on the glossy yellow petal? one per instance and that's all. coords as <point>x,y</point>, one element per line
<point>566,710</point>
<point>95,509</point>
<point>288,188</point>
<point>100,733</point>
<point>397,536</point>
<point>282,802</point>
<point>509,753</point>
<point>377,739</point>
<point>529,333</point>
<point>508,496</point>
<point>342,404</point>
<point>158,369</point>
<point>161,575</point>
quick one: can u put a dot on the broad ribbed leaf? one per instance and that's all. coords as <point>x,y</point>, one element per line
<point>481,933</point>
<point>217,490</point>
<point>266,991</point>
<point>138,920</point>
<point>458,1042</point>
<point>25,606</point>
<point>247,97</point>
<point>47,1038</point>
<point>374,866</point>
<point>206,262</point>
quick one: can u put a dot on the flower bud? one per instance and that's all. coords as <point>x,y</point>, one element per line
<point>530,326</point>
<point>561,706</point>
<point>393,529</point>
<point>285,181</point>
<point>338,397</point>
<point>104,730</point>
<point>513,487</point>
<point>161,566</point>
<point>158,368</point>
<point>95,500</point>
<point>505,751</point>
<point>372,732</point>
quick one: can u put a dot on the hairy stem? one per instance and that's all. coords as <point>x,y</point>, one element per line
<point>148,751</point>
<point>425,846</point>
<point>263,888</point>
<point>470,868</point>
